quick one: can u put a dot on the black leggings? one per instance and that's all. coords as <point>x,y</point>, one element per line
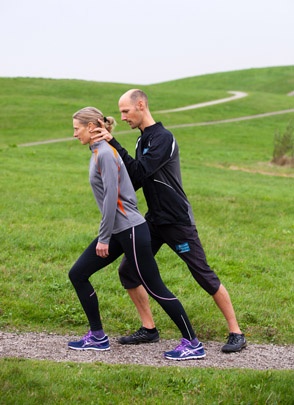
<point>136,244</point>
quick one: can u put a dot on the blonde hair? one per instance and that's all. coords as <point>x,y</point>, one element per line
<point>92,114</point>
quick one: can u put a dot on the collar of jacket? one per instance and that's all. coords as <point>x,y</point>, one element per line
<point>94,146</point>
<point>151,128</point>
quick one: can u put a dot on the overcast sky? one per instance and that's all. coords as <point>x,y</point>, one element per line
<point>143,41</point>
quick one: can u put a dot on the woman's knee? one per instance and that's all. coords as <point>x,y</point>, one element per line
<point>71,275</point>
<point>75,275</point>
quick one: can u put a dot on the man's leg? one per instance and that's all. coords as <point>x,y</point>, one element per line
<point>130,280</point>
<point>185,242</point>
<point>140,298</point>
<point>223,301</point>
<point>236,340</point>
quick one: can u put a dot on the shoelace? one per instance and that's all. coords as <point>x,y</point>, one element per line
<point>181,346</point>
<point>86,338</point>
<point>233,339</point>
<point>139,333</point>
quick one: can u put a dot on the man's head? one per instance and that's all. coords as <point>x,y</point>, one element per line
<point>133,106</point>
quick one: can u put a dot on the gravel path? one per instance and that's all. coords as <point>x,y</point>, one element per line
<point>54,347</point>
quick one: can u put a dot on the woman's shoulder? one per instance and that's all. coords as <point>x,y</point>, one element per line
<point>104,149</point>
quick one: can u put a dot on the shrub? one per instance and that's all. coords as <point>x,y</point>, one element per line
<point>284,147</point>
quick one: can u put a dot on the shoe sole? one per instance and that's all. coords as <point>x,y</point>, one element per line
<point>89,348</point>
<point>185,358</point>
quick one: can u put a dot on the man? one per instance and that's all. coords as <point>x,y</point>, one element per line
<point>156,169</point>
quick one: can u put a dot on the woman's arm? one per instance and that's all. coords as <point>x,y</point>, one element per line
<point>108,167</point>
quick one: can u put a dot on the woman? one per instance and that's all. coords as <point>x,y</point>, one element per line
<point>122,230</point>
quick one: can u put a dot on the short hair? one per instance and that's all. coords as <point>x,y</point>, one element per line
<point>137,95</point>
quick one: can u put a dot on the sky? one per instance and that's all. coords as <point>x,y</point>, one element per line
<point>143,42</point>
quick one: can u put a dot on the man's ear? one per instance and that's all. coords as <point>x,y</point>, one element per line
<point>141,105</point>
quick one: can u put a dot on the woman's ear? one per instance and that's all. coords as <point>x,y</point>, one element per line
<point>91,126</point>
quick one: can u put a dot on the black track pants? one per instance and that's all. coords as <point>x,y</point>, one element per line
<point>135,243</point>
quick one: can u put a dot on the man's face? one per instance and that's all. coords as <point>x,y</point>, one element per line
<point>130,112</point>
<point>81,132</point>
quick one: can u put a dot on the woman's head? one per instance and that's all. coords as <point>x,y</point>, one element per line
<point>87,119</point>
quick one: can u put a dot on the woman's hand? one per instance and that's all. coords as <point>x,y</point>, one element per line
<point>102,250</point>
<point>100,134</point>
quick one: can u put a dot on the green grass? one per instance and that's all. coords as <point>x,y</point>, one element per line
<point>35,382</point>
<point>245,220</point>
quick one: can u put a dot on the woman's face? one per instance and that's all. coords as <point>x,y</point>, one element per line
<point>81,132</point>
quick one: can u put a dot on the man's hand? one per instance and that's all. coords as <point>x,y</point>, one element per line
<point>100,134</point>
<point>102,250</point>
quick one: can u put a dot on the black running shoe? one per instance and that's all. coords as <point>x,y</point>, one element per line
<point>141,336</point>
<point>235,343</point>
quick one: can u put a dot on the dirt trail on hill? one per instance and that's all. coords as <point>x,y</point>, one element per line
<point>236,95</point>
<point>54,347</point>
<point>195,124</point>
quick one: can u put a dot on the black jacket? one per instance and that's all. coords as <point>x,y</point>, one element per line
<point>157,169</point>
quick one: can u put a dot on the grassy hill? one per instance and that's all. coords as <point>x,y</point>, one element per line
<point>33,109</point>
<point>42,185</point>
<point>245,219</point>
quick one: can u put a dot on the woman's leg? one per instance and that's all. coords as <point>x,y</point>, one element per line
<point>137,248</point>
<point>88,264</point>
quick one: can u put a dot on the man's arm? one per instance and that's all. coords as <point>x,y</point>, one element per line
<point>135,169</point>
<point>154,158</point>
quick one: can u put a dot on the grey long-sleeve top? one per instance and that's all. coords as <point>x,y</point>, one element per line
<point>113,191</point>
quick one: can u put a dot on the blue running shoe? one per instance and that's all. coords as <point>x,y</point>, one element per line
<point>185,351</point>
<point>90,342</point>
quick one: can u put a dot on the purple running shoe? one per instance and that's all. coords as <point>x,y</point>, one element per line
<point>185,351</point>
<point>90,342</point>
